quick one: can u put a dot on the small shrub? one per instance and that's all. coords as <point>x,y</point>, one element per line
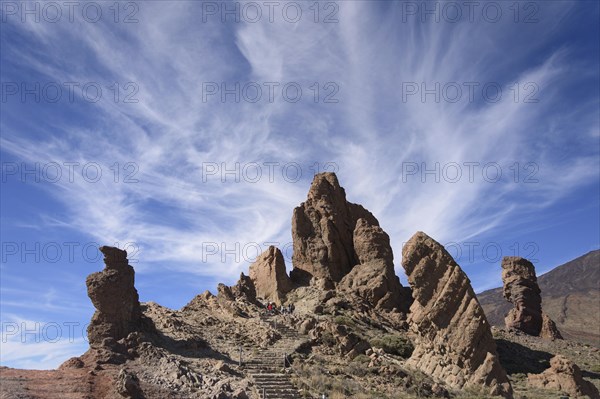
<point>394,345</point>
<point>328,339</point>
<point>344,320</point>
<point>519,376</point>
<point>595,368</point>
<point>362,359</point>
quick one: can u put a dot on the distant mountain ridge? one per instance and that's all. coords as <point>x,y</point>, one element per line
<point>570,295</point>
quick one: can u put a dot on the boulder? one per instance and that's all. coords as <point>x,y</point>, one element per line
<point>453,340</point>
<point>128,385</point>
<point>115,298</point>
<point>269,276</point>
<point>565,376</point>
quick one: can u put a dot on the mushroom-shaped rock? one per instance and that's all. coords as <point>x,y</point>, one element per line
<point>115,298</point>
<point>269,276</point>
<point>453,339</point>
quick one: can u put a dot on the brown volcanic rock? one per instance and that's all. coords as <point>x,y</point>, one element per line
<point>245,288</point>
<point>374,279</point>
<point>568,292</point>
<point>371,243</point>
<point>521,289</point>
<point>453,340</point>
<point>564,375</point>
<point>549,329</point>
<point>113,293</point>
<point>322,231</point>
<point>269,276</point>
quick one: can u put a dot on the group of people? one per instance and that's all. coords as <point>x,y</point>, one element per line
<point>272,308</point>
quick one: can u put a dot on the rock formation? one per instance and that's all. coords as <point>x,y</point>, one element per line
<point>564,375</point>
<point>338,241</point>
<point>115,298</point>
<point>374,279</point>
<point>269,276</point>
<point>245,288</point>
<point>522,290</point>
<point>549,329</point>
<point>322,231</point>
<point>453,340</point>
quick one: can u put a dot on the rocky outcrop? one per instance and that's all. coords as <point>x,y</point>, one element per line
<point>374,278</point>
<point>269,276</point>
<point>336,241</point>
<point>322,231</point>
<point>128,385</point>
<point>115,298</point>
<point>453,340</point>
<point>565,376</point>
<point>245,288</point>
<point>522,290</point>
<point>549,329</point>
<point>338,336</point>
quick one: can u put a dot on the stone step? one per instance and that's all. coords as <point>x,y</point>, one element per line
<point>266,367</point>
<point>274,386</point>
<point>270,393</point>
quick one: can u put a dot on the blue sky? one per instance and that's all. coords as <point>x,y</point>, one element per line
<point>150,122</point>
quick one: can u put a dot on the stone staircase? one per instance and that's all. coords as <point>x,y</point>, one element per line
<point>268,367</point>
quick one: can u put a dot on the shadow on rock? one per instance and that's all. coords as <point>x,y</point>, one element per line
<point>517,358</point>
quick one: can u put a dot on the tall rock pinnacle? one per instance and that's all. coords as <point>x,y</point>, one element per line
<point>115,298</point>
<point>522,290</point>
<point>269,276</point>
<point>453,340</point>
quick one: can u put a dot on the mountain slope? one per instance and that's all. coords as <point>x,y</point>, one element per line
<point>570,296</point>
